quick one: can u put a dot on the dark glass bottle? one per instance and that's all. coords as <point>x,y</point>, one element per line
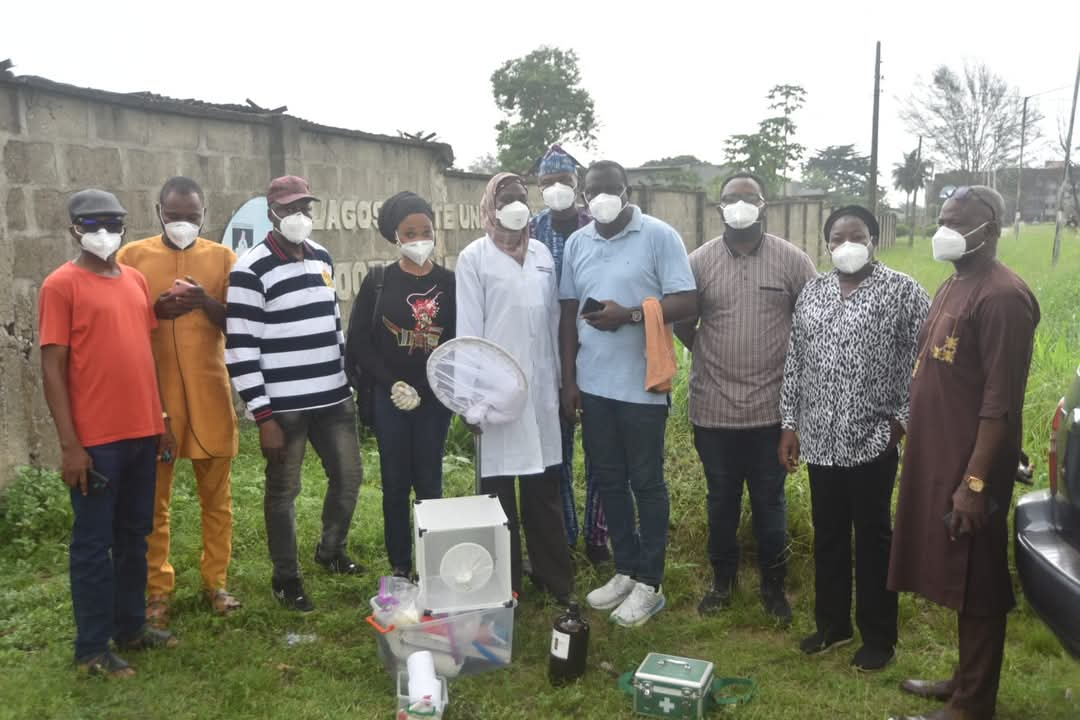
<point>569,646</point>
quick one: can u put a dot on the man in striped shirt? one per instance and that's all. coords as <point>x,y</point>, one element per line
<point>747,283</point>
<point>285,353</point>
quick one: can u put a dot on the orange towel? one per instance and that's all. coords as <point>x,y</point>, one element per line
<point>660,362</point>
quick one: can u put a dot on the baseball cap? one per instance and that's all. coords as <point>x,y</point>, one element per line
<point>288,189</point>
<point>86,203</point>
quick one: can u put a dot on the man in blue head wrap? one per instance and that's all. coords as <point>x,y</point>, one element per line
<point>557,176</point>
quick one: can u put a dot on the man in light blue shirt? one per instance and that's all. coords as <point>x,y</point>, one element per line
<point>610,267</point>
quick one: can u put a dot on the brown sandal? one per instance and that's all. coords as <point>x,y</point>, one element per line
<point>222,601</point>
<point>157,611</point>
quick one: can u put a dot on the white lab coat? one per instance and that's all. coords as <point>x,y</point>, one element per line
<point>516,307</point>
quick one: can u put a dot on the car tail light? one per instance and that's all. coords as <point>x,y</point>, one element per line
<point>1054,426</point>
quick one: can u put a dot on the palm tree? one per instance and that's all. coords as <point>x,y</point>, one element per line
<point>909,176</point>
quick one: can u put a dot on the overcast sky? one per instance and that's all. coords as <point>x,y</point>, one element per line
<point>667,77</point>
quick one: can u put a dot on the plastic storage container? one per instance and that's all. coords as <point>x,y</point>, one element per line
<point>467,643</point>
<point>462,554</point>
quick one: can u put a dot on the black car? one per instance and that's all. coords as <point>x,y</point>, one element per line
<point>1048,530</point>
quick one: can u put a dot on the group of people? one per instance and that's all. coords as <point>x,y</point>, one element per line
<point>788,366</point>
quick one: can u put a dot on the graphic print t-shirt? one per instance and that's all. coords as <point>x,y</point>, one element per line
<point>415,315</point>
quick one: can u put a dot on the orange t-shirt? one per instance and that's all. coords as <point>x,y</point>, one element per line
<point>105,323</point>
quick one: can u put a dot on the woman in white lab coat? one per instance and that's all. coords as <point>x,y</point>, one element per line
<point>506,293</point>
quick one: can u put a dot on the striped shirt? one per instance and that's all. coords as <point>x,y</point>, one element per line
<point>745,303</point>
<point>284,347</point>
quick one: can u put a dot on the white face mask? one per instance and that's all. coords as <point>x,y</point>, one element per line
<point>605,208</point>
<point>559,196</point>
<point>850,257</point>
<point>101,243</point>
<point>949,245</point>
<point>181,234</point>
<point>296,227</point>
<point>514,216</point>
<point>741,215</point>
<point>418,251</point>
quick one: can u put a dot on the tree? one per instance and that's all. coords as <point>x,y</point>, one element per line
<point>770,152</point>
<point>910,176</point>
<point>486,164</point>
<point>675,160</point>
<point>541,97</point>
<point>972,120</point>
<point>840,171</point>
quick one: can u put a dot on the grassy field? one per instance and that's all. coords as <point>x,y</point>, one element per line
<point>243,667</point>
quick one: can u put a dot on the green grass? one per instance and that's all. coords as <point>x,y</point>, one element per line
<point>242,667</point>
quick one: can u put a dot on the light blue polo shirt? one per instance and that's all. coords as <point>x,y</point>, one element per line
<point>646,259</point>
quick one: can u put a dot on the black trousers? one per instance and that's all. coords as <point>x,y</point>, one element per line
<point>858,497</point>
<point>541,518</point>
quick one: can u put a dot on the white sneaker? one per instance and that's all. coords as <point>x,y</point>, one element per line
<point>642,604</point>
<point>611,594</point>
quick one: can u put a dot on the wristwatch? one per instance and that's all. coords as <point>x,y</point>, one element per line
<point>636,315</point>
<point>974,484</point>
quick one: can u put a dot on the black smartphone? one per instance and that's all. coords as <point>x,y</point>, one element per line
<point>96,483</point>
<point>591,306</point>
<point>991,508</point>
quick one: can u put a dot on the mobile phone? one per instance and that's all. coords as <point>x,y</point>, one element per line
<point>96,483</point>
<point>991,508</point>
<point>179,287</point>
<point>591,306</point>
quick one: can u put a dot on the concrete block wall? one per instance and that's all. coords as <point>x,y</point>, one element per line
<point>52,144</point>
<point>56,139</point>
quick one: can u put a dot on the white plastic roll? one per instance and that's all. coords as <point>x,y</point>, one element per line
<point>422,679</point>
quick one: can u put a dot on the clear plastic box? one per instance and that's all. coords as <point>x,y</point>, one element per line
<point>462,554</point>
<point>466,643</point>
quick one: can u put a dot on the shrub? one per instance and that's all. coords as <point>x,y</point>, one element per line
<point>902,230</point>
<point>929,230</point>
<point>35,513</point>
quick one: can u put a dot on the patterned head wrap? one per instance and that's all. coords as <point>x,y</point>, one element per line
<point>512,242</point>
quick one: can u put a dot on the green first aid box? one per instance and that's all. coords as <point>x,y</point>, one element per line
<point>666,686</point>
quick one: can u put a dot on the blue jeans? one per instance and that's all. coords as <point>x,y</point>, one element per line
<point>411,446</point>
<point>596,531</point>
<point>108,546</point>
<point>332,432</point>
<point>731,457</point>
<point>625,445</point>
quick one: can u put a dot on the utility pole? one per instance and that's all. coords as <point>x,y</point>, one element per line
<point>915,201</point>
<point>1020,168</point>
<point>872,193</point>
<point>1065,172</point>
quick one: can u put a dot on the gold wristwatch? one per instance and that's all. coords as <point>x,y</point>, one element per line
<point>974,484</point>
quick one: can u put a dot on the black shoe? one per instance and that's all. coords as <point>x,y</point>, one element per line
<point>718,598</point>
<point>339,564</point>
<point>821,642</point>
<point>776,603</point>
<point>290,593</point>
<point>597,554</point>
<point>872,659</point>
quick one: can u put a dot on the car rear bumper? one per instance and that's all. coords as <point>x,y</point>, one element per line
<point>1048,562</point>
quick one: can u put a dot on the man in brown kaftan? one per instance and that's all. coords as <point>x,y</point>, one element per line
<point>963,447</point>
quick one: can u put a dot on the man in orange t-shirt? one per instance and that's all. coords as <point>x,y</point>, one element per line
<point>189,350</point>
<point>95,318</point>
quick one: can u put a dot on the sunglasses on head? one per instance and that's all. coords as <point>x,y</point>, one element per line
<point>965,191</point>
<point>92,225</point>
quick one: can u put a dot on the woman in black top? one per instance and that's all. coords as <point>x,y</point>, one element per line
<point>391,344</point>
